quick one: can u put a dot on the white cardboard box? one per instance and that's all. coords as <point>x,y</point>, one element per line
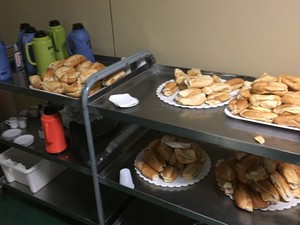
<point>28,169</point>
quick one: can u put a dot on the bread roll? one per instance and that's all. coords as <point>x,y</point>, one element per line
<point>185,156</point>
<point>289,120</point>
<point>191,171</point>
<point>69,77</point>
<point>290,175</point>
<point>180,78</point>
<point>36,81</point>
<point>83,76</point>
<point>98,66</point>
<point>56,64</point>
<point>63,70</point>
<point>113,78</point>
<point>258,115</point>
<point>267,191</point>
<point>238,105</point>
<point>194,73</point>
<point>49,75</point>
<point>281,186</point>
<point>216,98</point>
<point>242,197</point>
<point>244,93</point>
<point>291,108</point>
<point>147,170</point>
<point>270,165</point>
<point>292,81</point>
<point>83,66</point>
<point>224,170</point>
<point>164,151</point>
<point>269,87</point>
<point>154,160</point>
<point>169,88</point>
<point>52,86</point>
<point>217,87</point>
<point>291,98</point>
<point>235,83</point>
<point>191,97</point>
<point>266,101</point>
<point>74,60</point>
<point>257,173</point>
<point>199,82</point>
<point>258,202</point>
<point>266,77</point>
<point>153,145</point>
<point>169,174</point>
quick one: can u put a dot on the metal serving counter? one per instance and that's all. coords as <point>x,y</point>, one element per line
<point>219,133</point>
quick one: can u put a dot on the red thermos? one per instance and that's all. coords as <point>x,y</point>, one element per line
<point>55,141</point>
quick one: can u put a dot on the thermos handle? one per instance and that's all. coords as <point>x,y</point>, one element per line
<point>47,134</point>
<point>68,44</point>
<point>54,42</point>
<point>28,54</point>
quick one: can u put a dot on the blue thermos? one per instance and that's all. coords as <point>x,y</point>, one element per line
<point>27,38</point>
<point>22,29</point>
<point>5,69</point>
<point>78,42</point>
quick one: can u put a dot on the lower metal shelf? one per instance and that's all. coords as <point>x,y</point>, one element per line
<point>72,194</point>
<point>202,201</point>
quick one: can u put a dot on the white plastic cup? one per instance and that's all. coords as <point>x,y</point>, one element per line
<point>125,178</point>
<point>22,121</point>
<point>12,122</point>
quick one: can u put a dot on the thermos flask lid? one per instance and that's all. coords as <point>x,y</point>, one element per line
<point>77,26</point>
<point>29,30</point>
<point>40,34</point>
<point>23,26</point>
<point>50,110</point>
<point>54,23</point>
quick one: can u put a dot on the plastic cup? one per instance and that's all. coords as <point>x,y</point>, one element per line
<point>22,121</point>
<point>125,178</point>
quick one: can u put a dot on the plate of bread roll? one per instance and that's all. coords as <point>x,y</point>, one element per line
<point>196,91</point>
<point>67,77</point>
<point>172,162</point>
<point>254,182</point>
<point>269,100</point>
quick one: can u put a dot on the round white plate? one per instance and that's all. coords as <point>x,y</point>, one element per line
<point>24,140</point>
<point>179,181</point>
<point>124,100</point>
<point>171,99</point>
<point>11,134</point>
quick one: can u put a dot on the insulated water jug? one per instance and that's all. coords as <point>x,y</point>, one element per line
<point>27,38</point>
<point>5,69</point>
<point>78,42</point>
<point>43,51</point>
<point>57,33</point>
<point>22,29</point>
<point>54,136</point>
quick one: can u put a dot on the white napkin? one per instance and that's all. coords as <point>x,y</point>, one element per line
<point>124,100</point>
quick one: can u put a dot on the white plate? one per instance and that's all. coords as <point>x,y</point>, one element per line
<point>24,140</point>
<point>11,134</point>
<point>123,100</point>
<point>179,181</point>
<point>228,113</point>
<point>171,99</point>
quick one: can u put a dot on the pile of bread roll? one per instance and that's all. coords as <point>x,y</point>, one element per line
<point>269,99</point>
<point>256,182</point>
<point>68,76</point>
<point>195,89</point>
<point>169,157</point>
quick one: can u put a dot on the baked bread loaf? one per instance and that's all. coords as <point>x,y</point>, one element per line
<point>56,64</point>
<point>154,160</point>
<point>199,82</point>
<point>242,197</point>
<point>52,86</point>
<point>169,89</point>
<point>74,60</point>
<point>111,79</point>
<point>49,75</point>
<point>258,115</point>
<point>293,82</point>
<point>36,81</point>
<point>147,170</point>
<point>281,186</point>
<point>235,83</point>
<point>269,87</point>
<point>191,171</point>
<point>169,174</point>
<point>238,105</point>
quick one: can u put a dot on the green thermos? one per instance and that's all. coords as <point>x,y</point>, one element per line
<point>43,51</point>
<point>57,33</point>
